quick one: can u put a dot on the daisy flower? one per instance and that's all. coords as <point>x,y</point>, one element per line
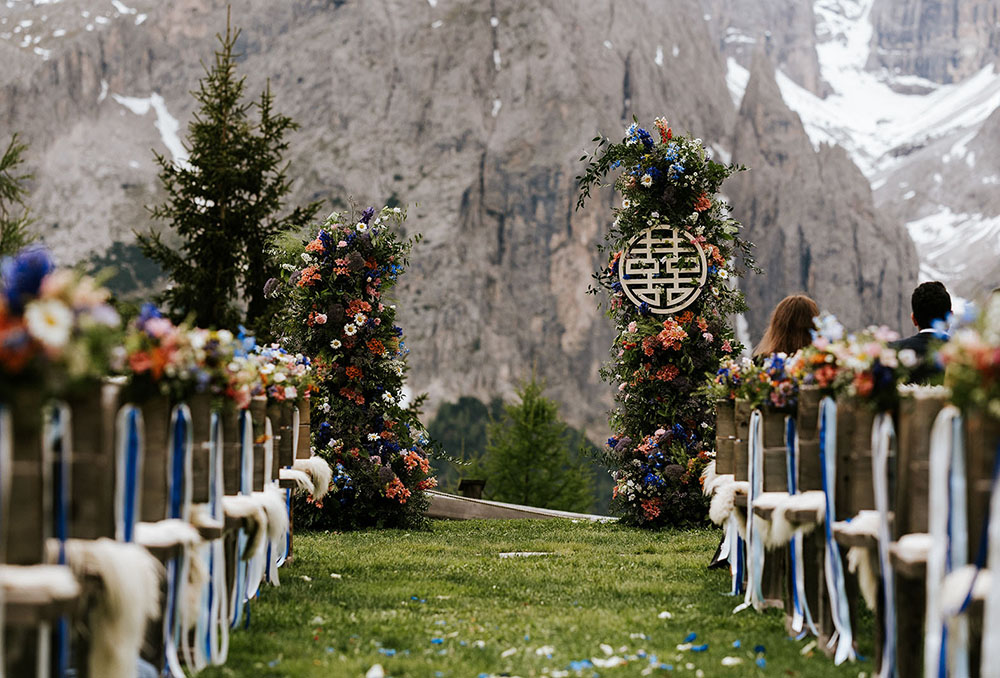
<point>335,344</point>
<point>646,180</point>
<point>360,318</point>
<point>350,330</point>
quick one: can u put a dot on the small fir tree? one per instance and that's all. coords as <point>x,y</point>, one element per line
<point>225,202</point>
<point>15,219</point>
<point>529,458</point>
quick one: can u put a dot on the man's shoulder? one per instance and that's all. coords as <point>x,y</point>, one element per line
<point>917,342</point>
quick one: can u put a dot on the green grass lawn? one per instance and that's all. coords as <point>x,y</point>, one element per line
<point>444,603</point>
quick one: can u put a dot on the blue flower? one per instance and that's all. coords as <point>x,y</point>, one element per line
<point>22,276</point>
<point>644,308</point>
<point>367,215</point>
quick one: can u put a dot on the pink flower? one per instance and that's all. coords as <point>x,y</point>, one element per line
<point>708,337</point>
<point>320,318</point>
<point>378,321</point>
<point>342,243</point>
<point>660,432</point>
<point>726,347</point>
<point>632,326</point>
<point>621,387</point>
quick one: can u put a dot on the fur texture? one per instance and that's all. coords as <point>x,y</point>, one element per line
<point>301,478</point>
<point>708,478</point>
<point>782,530</point>
<point>913,548</point>
<point>252,512</point>
<point>956,588</point>
<point>919,391</point>
<point>770,500</point>
<point>165,533</point>
<point>196,581</point>
<point>723,502</point>
<point>320,473</point>
<point>861,561</point>
<point>37,583</point>
<point>865,523</point>
<point>202,517</point>
<point>128,599</point>
<point>272,500</point>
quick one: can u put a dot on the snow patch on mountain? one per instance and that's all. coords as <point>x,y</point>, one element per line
<point>166,124</point>
<point>737,78</point>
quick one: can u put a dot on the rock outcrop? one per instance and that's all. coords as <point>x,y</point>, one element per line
<point>941,40</point>
<point>813,219</point>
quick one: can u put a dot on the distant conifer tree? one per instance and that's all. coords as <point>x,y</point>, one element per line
<point>15,220</point>
<point>529,458</point>
<point>224,202</point>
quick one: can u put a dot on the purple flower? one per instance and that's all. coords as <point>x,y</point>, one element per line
<point>367,215</point>
<point>271,286</point>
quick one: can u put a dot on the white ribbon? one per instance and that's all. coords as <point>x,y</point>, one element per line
<point>945,645</point>
<point>843,637</point>
<point>755,544</point>
<point>990,667</point>
<point>883,435</point>
<point>178,506</point>
<point>801,614</point>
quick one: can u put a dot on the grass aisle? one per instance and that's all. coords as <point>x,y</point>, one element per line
<point>444,603</point>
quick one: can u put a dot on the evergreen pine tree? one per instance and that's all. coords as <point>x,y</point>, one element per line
<point>224,202</point>
<point>529,458</point>
<point>15,219</point>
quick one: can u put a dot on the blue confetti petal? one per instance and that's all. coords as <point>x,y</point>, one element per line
<point>437,641</point>
<point>388,652</point>
<point>699,648</point>
<point>759,649</point>
<point>737,643</point>
<point>690,637</point>
<point>761,662</point>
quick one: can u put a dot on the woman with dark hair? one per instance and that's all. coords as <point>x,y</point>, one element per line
<point>790,327</point>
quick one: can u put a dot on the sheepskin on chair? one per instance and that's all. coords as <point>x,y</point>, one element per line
<point>320,472</point>
<point>250,510</point>
<point>129,598</point>
<point>301,478</point>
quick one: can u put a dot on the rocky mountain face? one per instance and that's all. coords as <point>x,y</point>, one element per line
<point>813,218</point>
<point>474,113</point>
<point>943,41</point>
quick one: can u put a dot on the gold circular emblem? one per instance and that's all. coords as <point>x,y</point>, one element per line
<point>663,267</point>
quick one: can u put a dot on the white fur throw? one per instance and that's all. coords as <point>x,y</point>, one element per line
<point>860,562</point>
<point>272,501</point>
<point>301,478</point>
<point>35,584</point>
<point>913,548</point>
<point>865,523</point>
<point>164,533</point>
<point>708,478</point>
<point>250,509</point>
<point>782,529</point>
<point>201,516</point>
<point>320,473</point>
<point>723,501</point>
<point>920,391</point>
<point>765,528</point>
<point>129,598</point>
<point>956,587</point>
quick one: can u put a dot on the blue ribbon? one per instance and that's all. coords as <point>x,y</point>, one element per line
<point>834,566</point>
<point>131,475</point>
<point>800,605</point>
<point>242,539</point>
<point>177,505</point>
<point>60,450</point>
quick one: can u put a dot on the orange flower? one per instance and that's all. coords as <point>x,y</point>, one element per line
<point>702,203</point>
<point>667,373</point>
<point>427,484</point>
<point>353,372</point>
<point>397,490</point>
<point>310,274</point>
<point>685,317</point>
<point>315,246</point>
<point>376,346</point>
<point>651,508</point>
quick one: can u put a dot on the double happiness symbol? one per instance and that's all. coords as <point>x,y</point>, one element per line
<point>664,268</point>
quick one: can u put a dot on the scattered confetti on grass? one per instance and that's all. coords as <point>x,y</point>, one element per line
<point>442,604</point>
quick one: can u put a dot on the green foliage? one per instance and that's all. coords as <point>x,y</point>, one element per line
<point>224,203</point>
<point>528,459</point>
<point>663,425</point>
<point>603,584</point>
<point>459,428</point>
<point>15,219</point>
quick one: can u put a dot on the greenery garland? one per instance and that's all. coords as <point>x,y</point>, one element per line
<point>663,427</point>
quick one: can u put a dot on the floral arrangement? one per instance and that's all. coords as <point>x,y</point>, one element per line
<point>729,378</point>
<point>662,364</point>
<point>769,384</point>
<point>972,363</point>
<point>334,290</point>
<point>57,329</point>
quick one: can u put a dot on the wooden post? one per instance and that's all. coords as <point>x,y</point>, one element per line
<point>741,458</point>
<point>201,429</point>
<point>156,441</point>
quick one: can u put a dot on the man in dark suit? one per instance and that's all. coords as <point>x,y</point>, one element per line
<point>931,305</point>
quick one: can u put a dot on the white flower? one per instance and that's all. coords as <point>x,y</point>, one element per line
<point>361,227</point>
<point>373,436</point>
<point>290,393</point>
<point>646,180</point>
<point>279,377</point>
<point>396,210</point>
<point>908,357</point>
<point>224,336</point>
<point>360,319</point>
<point>350,330</point>
<point>305,257</point>
<point>288,267</point>
<point>655,215</point>
<point>723,273</point>
<point>325,407</point>
<point>626,203</point>
<point>387,397</point>
<point>50,321</point>
<point>335,344</point>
